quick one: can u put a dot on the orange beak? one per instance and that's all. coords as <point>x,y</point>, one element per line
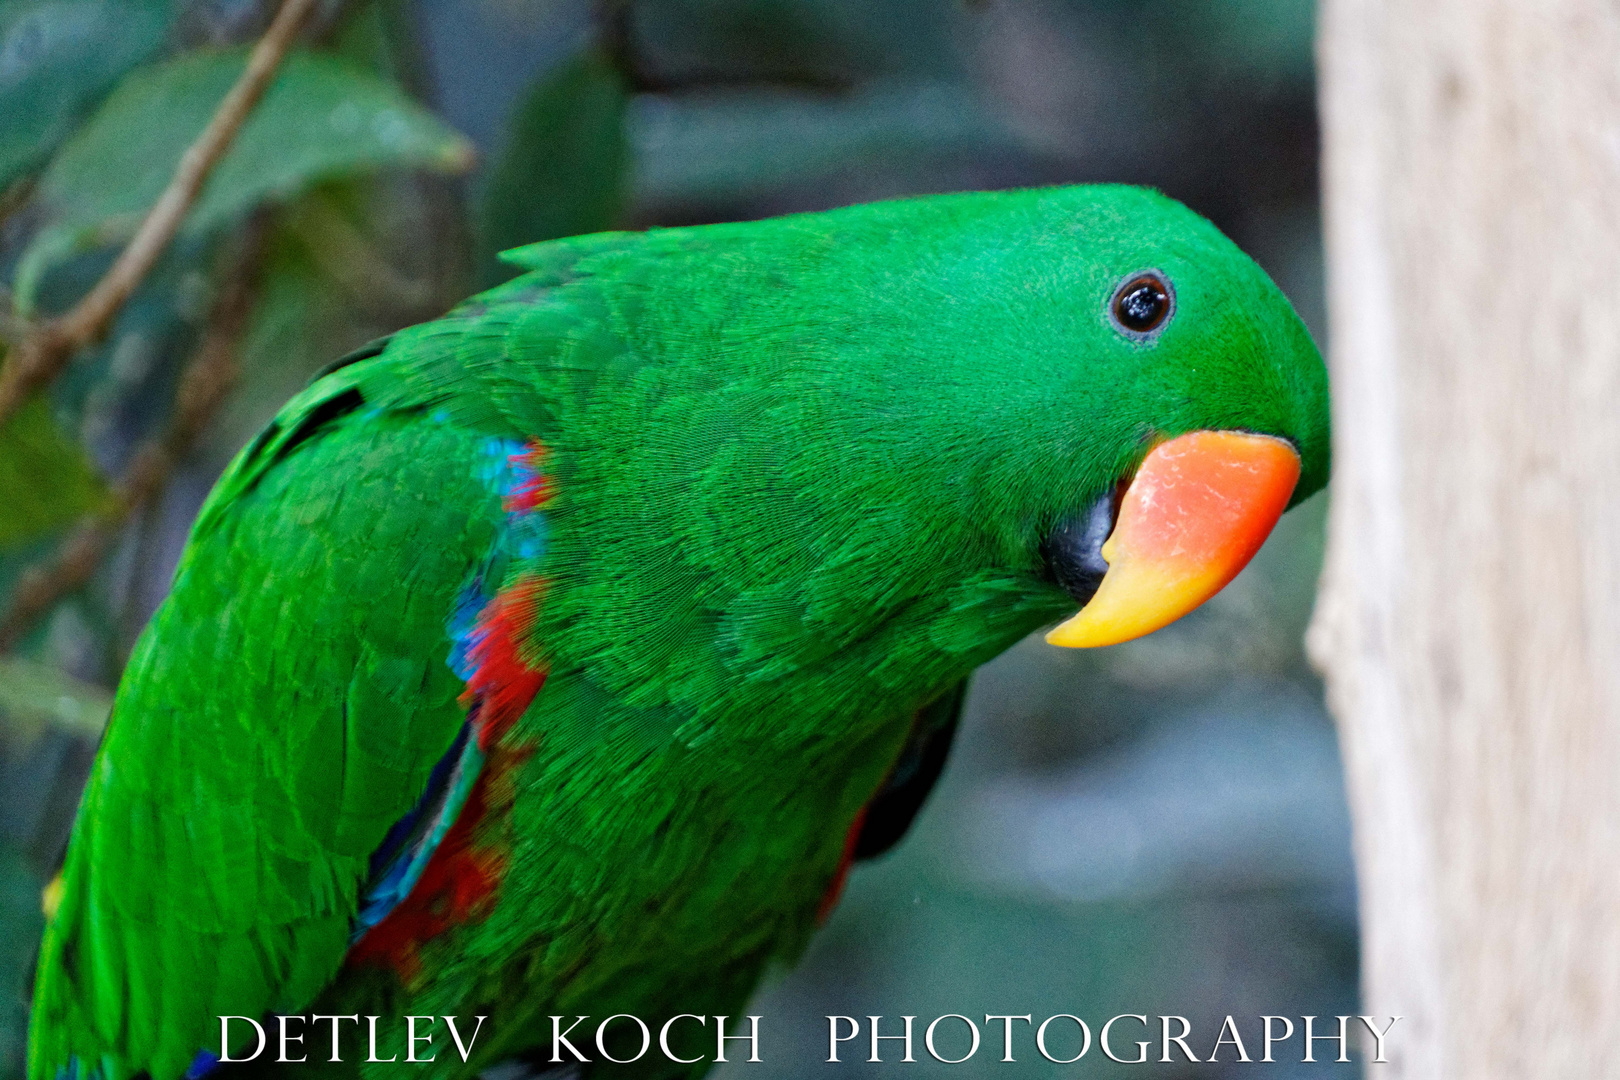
<point>1197,510</point>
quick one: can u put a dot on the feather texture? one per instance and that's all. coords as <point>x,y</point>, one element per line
<point>545,658</point>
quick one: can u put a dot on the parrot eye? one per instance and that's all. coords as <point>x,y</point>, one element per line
<point>1143,304</point>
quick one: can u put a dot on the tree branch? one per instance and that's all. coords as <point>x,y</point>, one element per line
<point>50,345</point>
<point>204,385</point>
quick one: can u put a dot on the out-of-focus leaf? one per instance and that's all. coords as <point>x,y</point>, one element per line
<point>57,59</point>
<point>1267,39</point>
<point>346,254</point>
<point>121,391</point>
<point>321,118</point>
<point>810,43</point>
<point>36,697</point>
<point>45,479</point>
<point>302,320</point>
<point>381,37</point>
<point>563,170</point>
<point>736,143</point>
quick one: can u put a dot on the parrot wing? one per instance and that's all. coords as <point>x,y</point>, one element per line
<point>889,815</point>
<point>271,760</point>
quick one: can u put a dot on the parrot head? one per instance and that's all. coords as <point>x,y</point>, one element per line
<point>1219,422</point>
<point>1130,400</point>
<point>1213,406</point>
<point>907,433</point>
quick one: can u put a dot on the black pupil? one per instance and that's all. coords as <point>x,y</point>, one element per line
<point>1142,305</point>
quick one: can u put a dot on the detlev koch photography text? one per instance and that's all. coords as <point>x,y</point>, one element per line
<point>952,1038</point>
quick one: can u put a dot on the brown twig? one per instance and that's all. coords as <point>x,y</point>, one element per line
<point>48,348</point>
<point>204,385</point>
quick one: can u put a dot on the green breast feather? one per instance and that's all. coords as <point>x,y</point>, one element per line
<point>550,659</point>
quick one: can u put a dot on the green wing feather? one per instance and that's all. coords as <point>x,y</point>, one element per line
<point>292,692</point>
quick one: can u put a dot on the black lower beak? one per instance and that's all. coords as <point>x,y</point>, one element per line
<point>1073,551</point>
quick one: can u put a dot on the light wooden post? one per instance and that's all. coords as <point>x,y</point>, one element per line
<point>1469,622</point>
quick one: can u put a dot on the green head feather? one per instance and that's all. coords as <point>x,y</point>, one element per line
<point>829,445</point>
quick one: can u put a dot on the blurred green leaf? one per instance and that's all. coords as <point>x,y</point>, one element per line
<point>563,170</point>
<point>36,697</point>
<point>321,118</point>
<point>57,59</point>
<point>723,145</point>
<point>827,44</point>
<point>1263,38</point>
<point>45,479</point>
<point>301,321</point>
<point>380,36</point>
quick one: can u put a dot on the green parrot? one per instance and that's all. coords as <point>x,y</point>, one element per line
<point>555,658</point>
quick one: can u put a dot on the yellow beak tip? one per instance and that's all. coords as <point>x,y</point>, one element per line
<point>1197,510</point>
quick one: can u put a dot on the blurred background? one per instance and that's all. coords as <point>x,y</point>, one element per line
<point>1154,828</point>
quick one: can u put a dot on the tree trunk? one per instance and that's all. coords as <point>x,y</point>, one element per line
<point>1469,621</point>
